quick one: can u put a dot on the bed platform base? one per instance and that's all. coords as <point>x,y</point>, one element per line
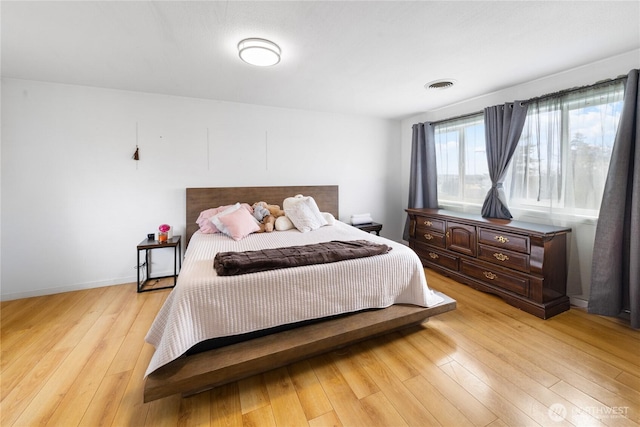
<point>203,371</point>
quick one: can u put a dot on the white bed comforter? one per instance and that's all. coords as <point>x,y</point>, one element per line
<point>204,305</point>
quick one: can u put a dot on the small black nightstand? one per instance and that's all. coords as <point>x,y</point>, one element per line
<point>369,227</point>
<point>147,245</point>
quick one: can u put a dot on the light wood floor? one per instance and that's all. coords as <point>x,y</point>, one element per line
<point>78,359</point>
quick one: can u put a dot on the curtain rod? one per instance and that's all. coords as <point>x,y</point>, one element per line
<point>538,98</point>
<point>463,116</point>
<point>576,89</point>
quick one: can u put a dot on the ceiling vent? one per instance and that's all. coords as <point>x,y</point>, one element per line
<point>440,84</point>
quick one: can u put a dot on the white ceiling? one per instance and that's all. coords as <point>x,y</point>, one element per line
<point>362,57</point>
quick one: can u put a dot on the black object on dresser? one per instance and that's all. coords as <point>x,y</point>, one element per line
<point>523,263</point>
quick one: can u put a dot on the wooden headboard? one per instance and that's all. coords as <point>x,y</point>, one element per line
<point>200,199</point>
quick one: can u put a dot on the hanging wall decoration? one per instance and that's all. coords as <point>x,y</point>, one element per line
<point>136,154</point>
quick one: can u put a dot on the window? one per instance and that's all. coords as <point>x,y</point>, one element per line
<point>562,158</point>
<point>559,167</point>
<point>463,174</point>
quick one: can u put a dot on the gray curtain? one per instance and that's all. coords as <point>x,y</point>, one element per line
<point>502,126</point>
<point>423,178</point>
<point>615,271</point>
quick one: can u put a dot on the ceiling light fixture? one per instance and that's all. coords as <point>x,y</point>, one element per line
<point>260,52</point>
<point>440,84</point>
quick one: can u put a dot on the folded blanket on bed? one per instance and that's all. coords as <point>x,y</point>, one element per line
<point>234,263</point>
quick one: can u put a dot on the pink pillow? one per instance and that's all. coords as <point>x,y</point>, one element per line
<point>208,228</point>
<point>204,220</point>
<point>239,224</point>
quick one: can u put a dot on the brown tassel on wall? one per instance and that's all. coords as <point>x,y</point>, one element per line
<point>136,155</point>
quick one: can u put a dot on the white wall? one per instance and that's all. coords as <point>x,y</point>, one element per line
<point>75,204</point>
<point>580,246</point>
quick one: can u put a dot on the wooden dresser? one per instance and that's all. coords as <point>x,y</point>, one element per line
<point>524,263</point>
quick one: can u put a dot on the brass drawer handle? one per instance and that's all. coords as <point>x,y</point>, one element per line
<point>428,223</point>
<point>428,236</point>
<point>501,239</point>
<point>501,257</point>
<point>433,256</point>
<point>489,275</point>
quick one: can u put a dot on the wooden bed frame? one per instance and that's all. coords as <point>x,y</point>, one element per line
<point>203,371</point>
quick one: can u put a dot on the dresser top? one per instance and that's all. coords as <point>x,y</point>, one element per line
<point>503,224</point>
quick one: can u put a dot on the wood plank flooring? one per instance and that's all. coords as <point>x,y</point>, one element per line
<point>78,358</point>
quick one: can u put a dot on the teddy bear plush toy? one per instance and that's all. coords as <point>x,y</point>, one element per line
<point>266,215</point>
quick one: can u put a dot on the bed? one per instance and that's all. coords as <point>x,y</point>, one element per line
<point>277,317</point>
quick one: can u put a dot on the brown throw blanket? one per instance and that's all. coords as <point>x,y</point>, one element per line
<point>234,263</point>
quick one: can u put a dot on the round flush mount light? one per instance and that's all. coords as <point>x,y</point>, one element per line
<point>440,84</point>
<point>260,52</point>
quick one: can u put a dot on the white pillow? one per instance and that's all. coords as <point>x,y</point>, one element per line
<point>329,218</point>
<point>283,224</point>
<point>304,213</point>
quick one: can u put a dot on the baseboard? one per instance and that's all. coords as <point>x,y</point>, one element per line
<point>578,302</point>
<point>70,288</point>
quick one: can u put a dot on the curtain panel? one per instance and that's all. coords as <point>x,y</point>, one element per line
<point>561,161</point>
<point>615,270</point>
<point>423,180</point>
<point>503,126</point>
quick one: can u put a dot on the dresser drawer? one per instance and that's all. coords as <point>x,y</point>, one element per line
<point>505,258</point>
<point>436,257</point>
<point>424,235</point>
<point>432,224</point>
<point>500,239</point>
<point>510,282</point>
